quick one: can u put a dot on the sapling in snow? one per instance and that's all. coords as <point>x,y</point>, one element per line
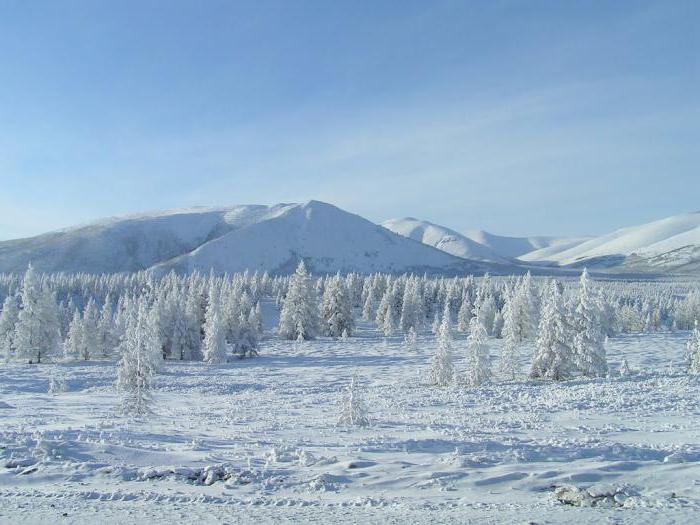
<point>353,410</point>
<point>624,368</point>
<point>411,340</point>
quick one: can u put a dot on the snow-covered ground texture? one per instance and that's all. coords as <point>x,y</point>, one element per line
<point>257,440</point>
<point>238,238</point>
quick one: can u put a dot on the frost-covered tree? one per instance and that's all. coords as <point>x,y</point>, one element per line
<point>554,357</point>
<point>441,368</point>
<point>8,320</point>
<point>465,314</point>
<point>693,351</point>
<point>589,341</point>
<point>624,368</point>
<point>37,332</point>
<point>509,362</point>
<point>214,346</point>
<point>299,314</point>
<point>412,307</point>
<point>353,411</point>
<point>107,338</point>
<point>478,354</point>
<point>194,322</point>
<point>411,340</point>
<point>336,309</point>
<point>91,336</point>
<point>141,356</point>
<point>57,383</point>
<point>74,345</point>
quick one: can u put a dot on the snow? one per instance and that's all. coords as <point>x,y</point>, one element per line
<point>646,240</point>
<point>254,237</point>
<point>443,239</point>
<point>257,440</point>
<point>329,239</point>
<point>479,244</point>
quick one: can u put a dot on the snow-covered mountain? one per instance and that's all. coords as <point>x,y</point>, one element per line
<point>444,239</point>
<point>264,238</point>
<point>479,244</point>
<point>664,244</point>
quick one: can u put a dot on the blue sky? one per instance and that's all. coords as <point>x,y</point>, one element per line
<point>519,117</point>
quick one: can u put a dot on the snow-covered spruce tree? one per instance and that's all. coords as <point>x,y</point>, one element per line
<point>106,335</point>
<point>74,345</point>
<point>554,357</point>
<point>91,338</point>
<point>478,355</point>
<point>589,341</point>
<point>214,346</point>
<point>513,334</point>
<point>336,309</point>
<point>412,308</point>
<point>194,322</point>
<point>247,343</point>
<point>37,332</point>
<point>368,307</point>
<point>141,356</point>
<point>353,411</point>
<point>465,313</point>
<point>693,351</point>
<point>299,314</point>
<point>441,369</point>
<point>389,321</point>
<point>8,320</point>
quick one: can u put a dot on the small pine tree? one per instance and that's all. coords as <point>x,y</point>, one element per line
<point>693,351</point>
<point>353,410</point>
<point>141,356</point>
<point>478,358</point>
<point>336,309</point>
<point>299,313</point>
<point>8,321</point>
<point>554,358</point>
<point>589,341</point>
<point>214,346</point>
<point>465,314</point>
<point>37,331</point>
<point>441,370</point>
<point>74,345</point>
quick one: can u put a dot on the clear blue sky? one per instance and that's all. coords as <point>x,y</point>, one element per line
<point>519,117</point>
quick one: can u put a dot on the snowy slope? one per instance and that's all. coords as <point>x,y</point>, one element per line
<point>443,239</point>
<point>647,240</point>
<point>549,252</point>
<point>519,246</point>
<point>328,238</point>
<point>482,245</point>
<point>265,238</point>
<point>115,245</point>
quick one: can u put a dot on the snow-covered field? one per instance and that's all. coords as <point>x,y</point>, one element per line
<point>257,440</point>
